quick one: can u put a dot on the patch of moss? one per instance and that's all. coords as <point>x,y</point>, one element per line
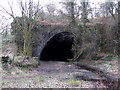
<point>108,58</point>
<point>73,82</point>
<point>99,63</point>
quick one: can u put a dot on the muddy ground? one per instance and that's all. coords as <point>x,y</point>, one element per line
<point>52,74</point>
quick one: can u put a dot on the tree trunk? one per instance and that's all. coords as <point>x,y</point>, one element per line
<point>25,37</point>
<point>72,13</point>
<point>29,47</point>
<point>118,32</point>
<point>84,15</point>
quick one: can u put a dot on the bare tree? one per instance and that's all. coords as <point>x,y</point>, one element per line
<point>51,10</point>
<point>70,11</point>
<point>108,9</point>
<point>41,15</point>
<point>28,13</point>
<point>84,13</point>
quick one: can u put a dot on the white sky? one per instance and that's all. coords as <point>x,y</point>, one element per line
<point>4,3</point>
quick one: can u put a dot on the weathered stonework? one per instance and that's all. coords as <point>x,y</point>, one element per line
<point>43,33</point>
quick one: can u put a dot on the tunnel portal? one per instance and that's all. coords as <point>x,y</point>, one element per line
<point>58,48</point>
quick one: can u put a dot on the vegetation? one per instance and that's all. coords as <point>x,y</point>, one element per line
<point>73,82</point>
<point>98,37</point>
<point>95,29</point>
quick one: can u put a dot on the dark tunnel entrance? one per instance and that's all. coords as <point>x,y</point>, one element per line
<point>58,48</point>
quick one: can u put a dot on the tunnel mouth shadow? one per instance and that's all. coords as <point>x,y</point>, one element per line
<point>58,48</point>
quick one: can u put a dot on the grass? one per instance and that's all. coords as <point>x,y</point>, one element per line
<point>69,63</point>
<point>37,79</point>
<point>108,66</point>
<point>99,63</point>
<point>1,83</point>
<point>40,79</point>
<point>108,58</point>
<point>21,68</point>
<point>73,82</point>
<point>105,67</point>
<point>30,65</point>
<point>111,64</point>
<point>115,58</point>
<point>26,66</point>
<point>111,58</point>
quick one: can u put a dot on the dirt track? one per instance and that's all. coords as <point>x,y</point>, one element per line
<point>53,75</point>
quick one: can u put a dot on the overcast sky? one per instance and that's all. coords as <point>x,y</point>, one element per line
<point>4,3</point>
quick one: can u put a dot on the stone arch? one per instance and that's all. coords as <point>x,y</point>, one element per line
<point>57,47</point>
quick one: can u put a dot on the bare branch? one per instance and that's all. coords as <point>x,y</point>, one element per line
<point>35,14</point>
<point>5,11</point>
<point>11,9</point>
<point>21,6</point>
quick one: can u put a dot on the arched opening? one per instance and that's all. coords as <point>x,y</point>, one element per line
<point>58,48</point>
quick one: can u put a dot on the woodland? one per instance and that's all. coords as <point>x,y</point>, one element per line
<point>84,54</point>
